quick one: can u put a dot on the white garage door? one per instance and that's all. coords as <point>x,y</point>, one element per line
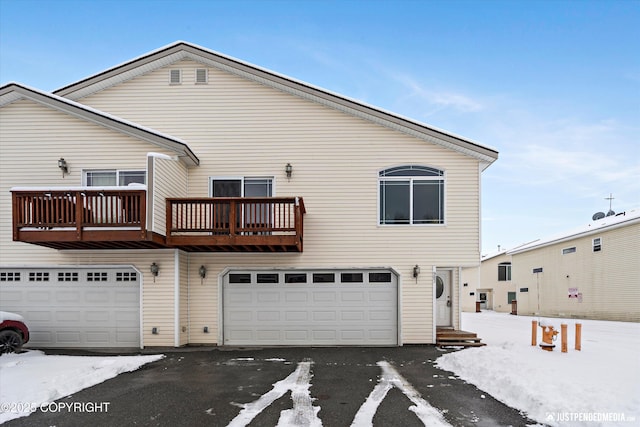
<point>341,307</point>
<point>75,307</point>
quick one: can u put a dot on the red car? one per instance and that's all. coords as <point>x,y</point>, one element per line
<point>13,332</point>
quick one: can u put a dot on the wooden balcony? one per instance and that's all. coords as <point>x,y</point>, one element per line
<point>115,218</point>
<point>236,224</point>
<point>104,218</point>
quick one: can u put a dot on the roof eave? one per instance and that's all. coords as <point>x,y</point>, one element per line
<point>180,50</point>
<point>14,91</point>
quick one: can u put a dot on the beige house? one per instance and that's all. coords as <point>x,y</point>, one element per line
<point>592,272</point>
<point>489,286</point>
<point>186,197</point>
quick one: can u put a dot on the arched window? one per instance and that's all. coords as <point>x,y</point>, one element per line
<point>411,194</point>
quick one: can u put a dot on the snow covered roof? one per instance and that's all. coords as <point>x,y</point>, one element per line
<point>622,219</point>
<point>181,50</point>
<point>14,91</point>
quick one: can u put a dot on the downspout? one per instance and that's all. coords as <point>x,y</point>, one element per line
<point>176,299</point>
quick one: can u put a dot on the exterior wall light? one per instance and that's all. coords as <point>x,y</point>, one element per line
<point>62,164</point>
<point>154,268</point>
<point>288,170</point>
<point>202,271</point>
<point>416,271</point>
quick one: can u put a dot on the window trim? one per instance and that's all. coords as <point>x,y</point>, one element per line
<point>117,172</point>
<point>171,71</point>
<point>242,180</point>
<point>441,176</point>
<point>507,272</point>
<point>206,76</point>
<point>596,247</point>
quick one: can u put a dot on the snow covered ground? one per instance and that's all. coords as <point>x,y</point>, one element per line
<point>598,386</point>
<point>32,379</point>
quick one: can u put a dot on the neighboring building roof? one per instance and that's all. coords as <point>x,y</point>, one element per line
<point>13,92</point>
<point>492,255</point>
<point>622,219</point>
<point>182,50</point>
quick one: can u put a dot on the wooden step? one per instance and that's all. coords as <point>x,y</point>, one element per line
<point>439,339</point>
<point>461,344</point>
<point>457,338</point>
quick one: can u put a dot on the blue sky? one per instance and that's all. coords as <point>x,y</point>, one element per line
<point>554,86</point>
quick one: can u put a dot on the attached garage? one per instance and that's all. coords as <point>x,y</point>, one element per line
<point>310,307</point>
<point>75,307</point>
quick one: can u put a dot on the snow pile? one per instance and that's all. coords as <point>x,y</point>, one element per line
<point>31,379</point>
<point>5,315</point>
<point>598,386</point>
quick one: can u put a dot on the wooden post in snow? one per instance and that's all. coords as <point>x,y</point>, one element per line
<point>563,337</point>
<point>534,333</point>
<point>579,336</point>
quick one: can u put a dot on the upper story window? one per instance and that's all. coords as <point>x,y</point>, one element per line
<point>597,244</point>
<point>175,77</point>
<point>504,272</point>
<point>570,250</point>
<point>106,178</point>
<point>411,195</point>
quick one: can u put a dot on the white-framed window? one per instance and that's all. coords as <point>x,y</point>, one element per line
<point>504,272</point>
<point>175,76</point>
<point>241,186</point>
<point>202,76</point>
<point>411,194</point>
<point>597,244</point>
<point>570,250</point>
<point>113,177</point>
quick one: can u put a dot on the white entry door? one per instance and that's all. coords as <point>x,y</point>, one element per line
<point>443,298</point>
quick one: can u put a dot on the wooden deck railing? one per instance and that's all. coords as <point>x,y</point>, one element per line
<point>235,221</point>
<point>78,209</point>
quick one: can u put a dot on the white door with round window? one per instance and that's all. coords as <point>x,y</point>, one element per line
<point>443,298</point>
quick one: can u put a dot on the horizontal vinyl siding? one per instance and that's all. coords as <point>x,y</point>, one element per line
<point>608,280</point>
<point>33,138</point>
<point>241,128</point>
<point>169,180</point>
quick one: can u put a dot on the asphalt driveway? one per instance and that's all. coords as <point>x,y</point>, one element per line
<point>302,386</point>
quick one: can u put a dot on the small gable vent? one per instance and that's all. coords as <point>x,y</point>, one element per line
<point>175,77</point>
<point>201,75</point>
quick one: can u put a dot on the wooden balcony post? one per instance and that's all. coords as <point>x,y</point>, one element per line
<point>232,217</point>
<point>15,211</point>
<point>79,214</point>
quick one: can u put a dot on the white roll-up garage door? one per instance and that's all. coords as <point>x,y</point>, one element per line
<point>315,307</point>
<point>75,307</point>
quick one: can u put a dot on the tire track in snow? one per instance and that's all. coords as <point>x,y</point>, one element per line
<point>390,378</point>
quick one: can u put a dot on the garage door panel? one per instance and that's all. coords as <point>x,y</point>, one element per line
<point>268,335</point>
<point>321,296</point>
<point>97,337</point>
<point>38,296</point>
<point>76,306</point>
<point>263,297</point>
<point>352,315</point>
<point>296,316</point>
<point>308,313</point>
<point>296,297</point>
<point>266,316</point>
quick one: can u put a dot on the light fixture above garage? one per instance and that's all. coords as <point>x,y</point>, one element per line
<point>202,271</point>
